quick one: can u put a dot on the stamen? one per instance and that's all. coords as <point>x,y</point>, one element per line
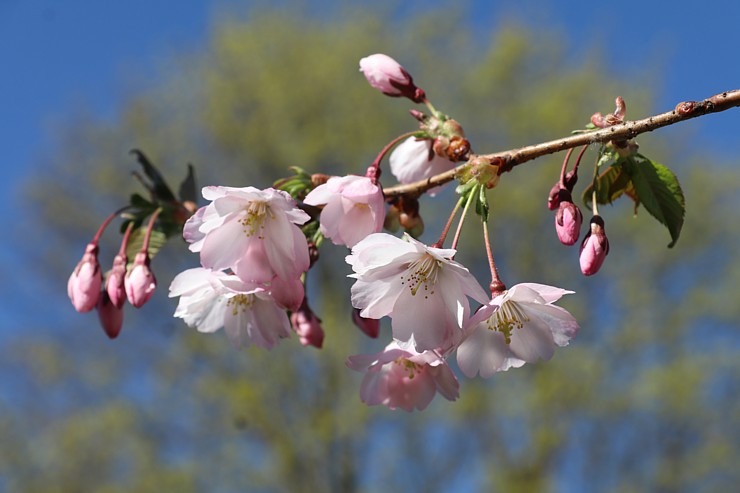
<point>411,368</point>
<point>423,272</point>
<point>508,317</point>
<point>240,302</point>
<point>254,222</point>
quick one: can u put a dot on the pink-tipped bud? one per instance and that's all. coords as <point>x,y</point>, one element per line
<point>568,220</point>
<point>370,326</point>
<point>111,316</point>
<point>389,77</point>
<point>114,285</point>
<point>594,248</point>
<point>308,327</point>
<point>140,282</point>
<point>84,284</point>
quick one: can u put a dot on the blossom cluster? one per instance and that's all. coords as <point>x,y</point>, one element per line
<point>256,247</point>
<point>135,282</point>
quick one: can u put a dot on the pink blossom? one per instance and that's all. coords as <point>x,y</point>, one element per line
<point>140,282</point>
<point>210,300</point>
<point>308,327</point>
<point>403,378</point>
<point>594,248</point>
<point>110,316</point>
<point>568,221</point>
<point>421,288</point>
<point>389,77</point>
<point>254,232</point>
<point>519,326</point>
<point>115,284</point>
<point>84,284</point>
<point>354,207</point>
<point>414,160</point>
<point>287,294</point>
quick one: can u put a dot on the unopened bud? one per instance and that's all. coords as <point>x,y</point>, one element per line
<point>389,77</point>
<point>110,316</point>
<point>568,219</point>
<point>308,327</point>
<point>84,284</point>
<point>594,248</point>
<point>370,326</point>
<point>114,285</point>
<point>140,282</point>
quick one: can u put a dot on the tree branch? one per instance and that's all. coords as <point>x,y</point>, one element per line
<point>621,132</point>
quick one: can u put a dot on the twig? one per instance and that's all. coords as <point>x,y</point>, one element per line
<point>621,132</point>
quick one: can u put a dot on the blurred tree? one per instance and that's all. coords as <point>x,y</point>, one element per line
<point>644,399</point>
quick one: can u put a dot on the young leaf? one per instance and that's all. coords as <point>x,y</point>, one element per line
<point>658,190</point>
<point>610,185</point>
<point>188,190</point>
<point>136,241</point>
<point>160,188</point>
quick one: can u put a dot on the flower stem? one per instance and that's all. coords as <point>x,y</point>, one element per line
<point>107,221</point>
<point>124,241</point>
<point>564,168</point>
<point>446,229</point>
<point>149,229</point>
<point>375,166</point>
<point>462,217</point>
<point>497,287</point>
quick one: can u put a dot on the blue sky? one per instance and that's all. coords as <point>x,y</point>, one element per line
<point>59,57</point>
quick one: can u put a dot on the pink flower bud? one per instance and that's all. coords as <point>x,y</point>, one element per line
<point>84,284</point>
<point>111,316</point>
<point>370,326</point>
<point>308,327</point>
<point>568,220</point>
<point>389,77</point>
<point>140,282</point>
<point>114,285</point>
<point>594,248</point>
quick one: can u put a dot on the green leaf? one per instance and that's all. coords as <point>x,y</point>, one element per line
<point>658,190</point>
<point>610,185</point>
<point>138,202</point>
<point>136,241</point>
<point>160,189</point>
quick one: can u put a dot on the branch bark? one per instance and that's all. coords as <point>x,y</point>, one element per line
<point>507,160</point>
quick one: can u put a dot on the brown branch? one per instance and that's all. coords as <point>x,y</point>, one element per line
<point>621,132</point>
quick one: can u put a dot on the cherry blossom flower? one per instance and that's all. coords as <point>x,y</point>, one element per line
<point>421,288</point>
<point>402,378</point>
<point>389,77</point>
<point>254,232</point>
<point>519,326</point>
<point>140,282</point>
<point>210,300</point>
<point>354,208</point>
<point>414,160</point>
<point>85,281</point>
<point>594,248</point>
